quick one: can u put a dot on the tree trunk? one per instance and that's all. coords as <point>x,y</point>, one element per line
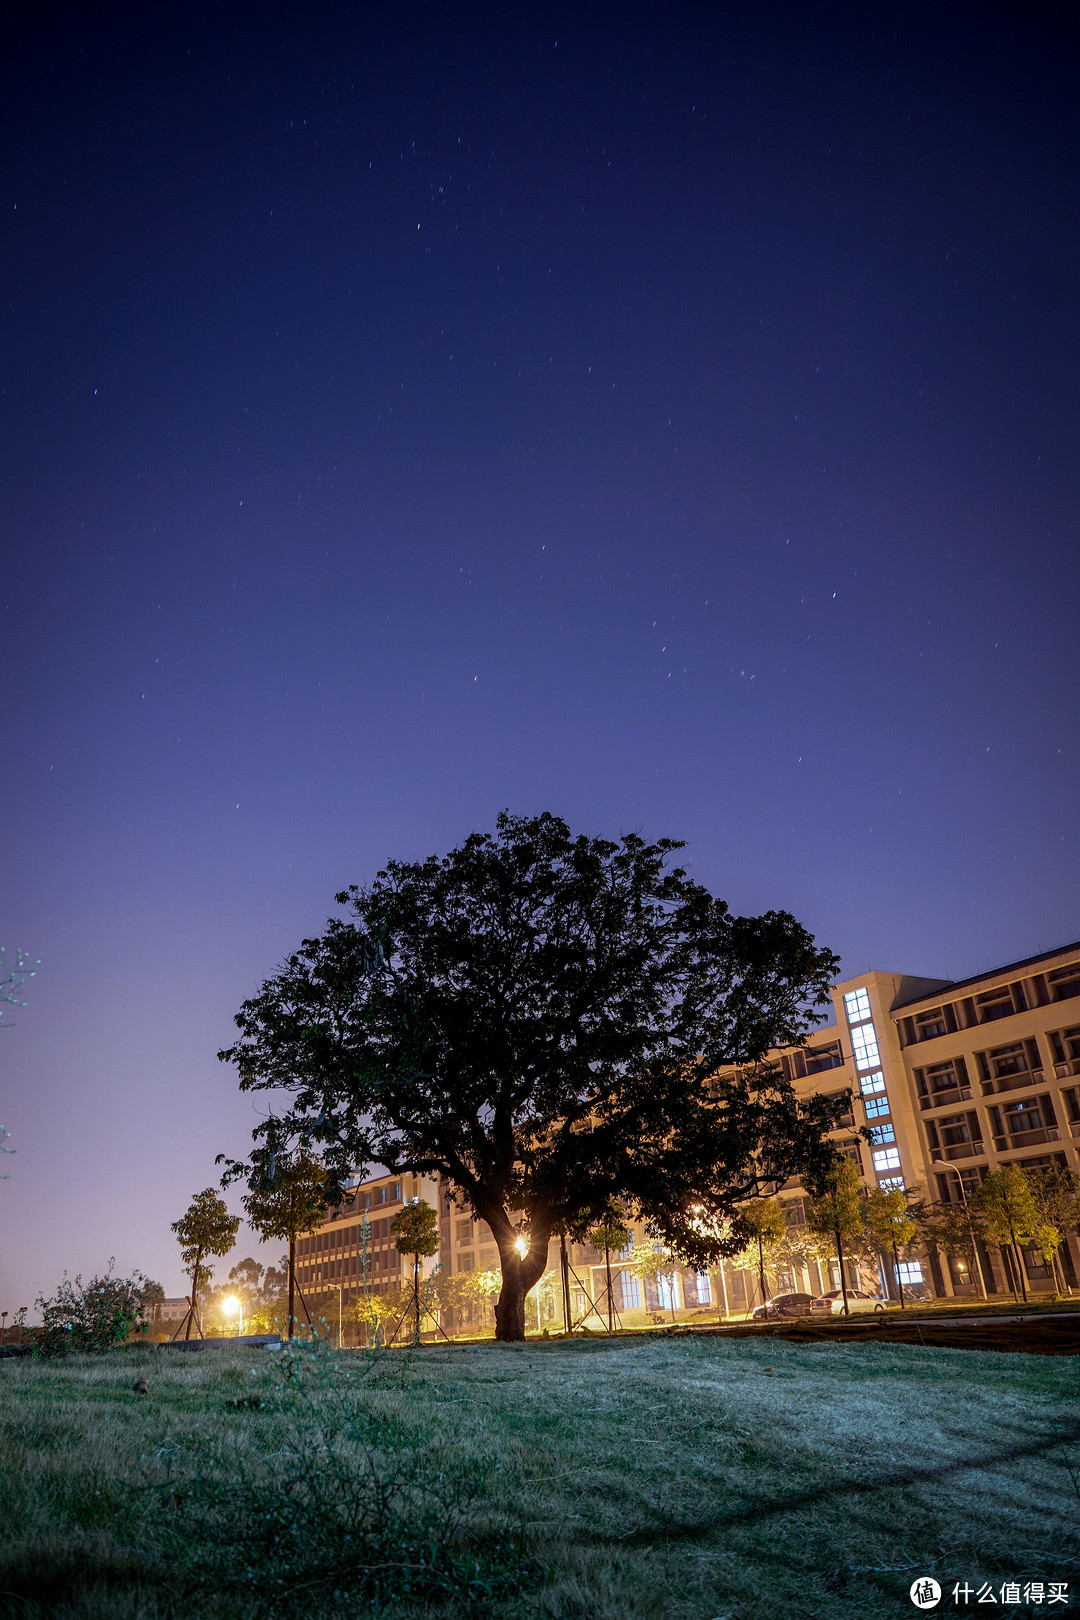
<point>518,1276</point>
<point>896,1274</point>
<point>976,1260</point>
<point>723,1287</point>
<point>292,1286</point>
<point>510,1307</point>
<point>610,1300</point>
<point>564,1262</point>
<point>843,1279</point>
<point>194,1295</point>
<point>1019,1259</point>
<point>761,1270</point>
<point>416,1294</point>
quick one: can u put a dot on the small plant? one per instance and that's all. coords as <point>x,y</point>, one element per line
<point>96,1315</point>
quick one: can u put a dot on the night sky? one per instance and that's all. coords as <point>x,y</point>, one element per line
<point>667,420</point>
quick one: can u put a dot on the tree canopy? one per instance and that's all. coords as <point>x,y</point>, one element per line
<point>287,1197</point>
<point>205,1228</point>
<point>540,1018</point>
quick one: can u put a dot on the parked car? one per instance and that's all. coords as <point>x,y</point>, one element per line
<point>786,1305</point>
<point>857,1301</point>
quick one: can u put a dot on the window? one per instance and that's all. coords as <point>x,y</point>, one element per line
<point>627,1250</point>
<point>667,1292</point>
<point>464,1231</point>
<point>875,1106</point>
<point>869,1083</point>
<point>704,1288</point>
<point>890,1183</point>
<point>794,1211</point>
<point>882,1133</point>
<point>1068,1042</point>
<point>995,1004</point>
<point>909,1272</point>
<point>842,1115</point>
<point>1065,982</point>
<point>865,1047</point>
<point>944,1076</point>
<point>465,1262</point>
<point>1008,1060</point>
<point>887,1159</point>
<point>955,1130</point>
<point>857,1006</point>
<point>631,1292</point>
<point>819,1058</point>
<point>1033,1115</point>
<point>929,1025</point>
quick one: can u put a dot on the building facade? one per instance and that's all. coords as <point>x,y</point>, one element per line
<point>951,1079</point>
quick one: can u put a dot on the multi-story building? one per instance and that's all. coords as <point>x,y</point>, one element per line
<point>330,1261</point>
<point>952,1079</point>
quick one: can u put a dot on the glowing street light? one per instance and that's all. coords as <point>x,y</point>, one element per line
<point>233,1307</point>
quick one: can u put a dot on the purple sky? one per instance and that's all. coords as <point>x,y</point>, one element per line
<point>671,423</point>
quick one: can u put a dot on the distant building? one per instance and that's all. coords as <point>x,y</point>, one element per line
<point>952,1080</point>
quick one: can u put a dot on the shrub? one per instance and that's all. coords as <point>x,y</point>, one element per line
<point>96,1315</point>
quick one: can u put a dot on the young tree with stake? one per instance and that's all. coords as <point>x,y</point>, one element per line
<point>416,1233</point>
<point>1056,1191</point>
<point>1011,1214</point>
<point>765,1227</point>
<point>287,1197</point>
<point>609,1232</point>
<point>836,1212</point>
<point>537,1017</point>
<point>205,1228</point>
<point>889,1224</point>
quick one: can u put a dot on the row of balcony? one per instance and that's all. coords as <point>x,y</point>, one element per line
<point>1003,1144</point>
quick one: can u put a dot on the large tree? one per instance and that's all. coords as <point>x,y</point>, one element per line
<point>539,1018</point>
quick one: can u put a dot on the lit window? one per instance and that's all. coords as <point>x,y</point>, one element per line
<point>887,1159</point>
<point>882,1133</point>
<point>865,1047</point>
<point>857,1006</point>
<point>869,1083</point>
<point>875,1106</point>
<point>909,1271</point>
<point>631,1293</point>
<point>666,1293</point>
<point>890,1183</point>
<point>704,1288</point>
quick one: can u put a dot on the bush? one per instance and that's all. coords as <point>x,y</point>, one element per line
<point>94,1316</point>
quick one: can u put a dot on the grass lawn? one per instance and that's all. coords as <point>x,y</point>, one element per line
<point>696,1477</point>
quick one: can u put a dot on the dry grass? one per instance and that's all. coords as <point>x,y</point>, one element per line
<point>689,1478</point>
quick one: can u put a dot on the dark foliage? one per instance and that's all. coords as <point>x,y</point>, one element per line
<point>538,1017</point>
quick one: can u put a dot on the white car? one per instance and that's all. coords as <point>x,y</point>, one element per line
<point>857,1301</point>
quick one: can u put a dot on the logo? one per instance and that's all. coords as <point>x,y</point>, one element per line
<point>925,1592</point>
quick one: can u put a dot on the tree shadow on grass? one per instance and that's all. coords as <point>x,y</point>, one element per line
<point>759,1508</point>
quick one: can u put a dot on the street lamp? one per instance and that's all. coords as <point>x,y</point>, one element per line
<point>939,1164</point>
<point>233,1307</point>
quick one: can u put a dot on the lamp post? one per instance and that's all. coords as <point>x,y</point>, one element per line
<point>939,1164</point>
